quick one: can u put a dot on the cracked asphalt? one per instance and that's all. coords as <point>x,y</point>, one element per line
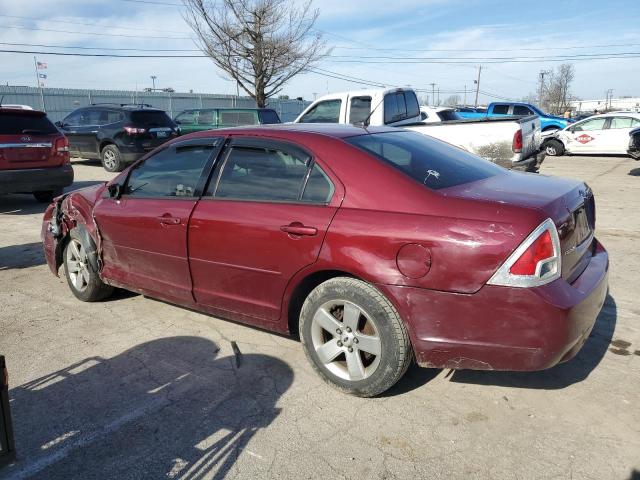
<point>135,388</point>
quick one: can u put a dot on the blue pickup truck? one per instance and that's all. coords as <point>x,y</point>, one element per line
<point>548,122</point>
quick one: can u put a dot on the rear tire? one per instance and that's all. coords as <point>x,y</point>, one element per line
<point>84,282</point>
<point>47,196</point>
<point>112,158</point>
<point>554,148</point>
<point>354,337</point>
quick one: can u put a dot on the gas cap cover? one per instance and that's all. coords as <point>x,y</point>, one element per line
<point>414,260</point>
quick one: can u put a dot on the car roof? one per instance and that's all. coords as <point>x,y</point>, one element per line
<point>334,130</point>
<point>614,114</point>
<point>21,111</point>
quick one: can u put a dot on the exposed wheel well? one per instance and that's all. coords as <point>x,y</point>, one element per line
<point>302,291</point>
<point>105,143</point>
<point>550,127</point>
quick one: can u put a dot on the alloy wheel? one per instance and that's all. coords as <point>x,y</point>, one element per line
<point>346,340</point>
<point>77,265</point>
<point>109,159</point>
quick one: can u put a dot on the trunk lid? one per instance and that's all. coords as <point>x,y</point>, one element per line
<point>569,203</point>
<point>531,136</point>
<point>27,140</point>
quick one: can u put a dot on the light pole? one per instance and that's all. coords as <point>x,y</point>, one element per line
<point>153,80</point>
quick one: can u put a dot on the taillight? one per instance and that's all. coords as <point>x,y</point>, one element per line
<point>535,262</point>
<point>134,130</point>
<point>62,145</point>
<point>517,142</point>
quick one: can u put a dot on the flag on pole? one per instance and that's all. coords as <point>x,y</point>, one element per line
<point>42,75</point>
<point>41,65</point>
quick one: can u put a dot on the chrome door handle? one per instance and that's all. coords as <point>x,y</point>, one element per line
<point>169,220</point>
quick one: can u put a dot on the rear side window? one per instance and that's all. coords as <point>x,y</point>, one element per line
<point>18,124</point>
<point>319,188</point>
<point>172,172</point>
<point>231,118</point>
<point>268,117</point>
<point>501,109</point>
<point>359,109</point>
<point>251,173</point>
<point>521,110</point>
<point>324,112</point>
<point>623,122</point>
<point>400,106</point>
<point>106,117</point>
<point>186,118</point>
<point>428,161</point>
<point>206,117</point>
<point>151,118</point>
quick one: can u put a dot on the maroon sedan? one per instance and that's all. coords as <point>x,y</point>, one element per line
<point>376,245</point>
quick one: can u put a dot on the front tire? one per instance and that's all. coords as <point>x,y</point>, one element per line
<point>112,159</point>
<point>354,337</point>
<point>84,282</point>
<point>554,148</point>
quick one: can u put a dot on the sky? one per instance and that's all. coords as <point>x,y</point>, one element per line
<point>445,40</point>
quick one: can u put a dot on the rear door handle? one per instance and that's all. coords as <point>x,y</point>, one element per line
<point>167,219</point>
<point>297,228</point>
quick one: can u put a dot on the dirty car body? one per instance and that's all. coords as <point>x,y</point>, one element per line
<point>486,268</point>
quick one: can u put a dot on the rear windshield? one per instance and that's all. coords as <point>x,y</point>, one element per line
<point>268,116</point>
<point>431,162</point>
<point>19,123</point>
<point>151,118</point>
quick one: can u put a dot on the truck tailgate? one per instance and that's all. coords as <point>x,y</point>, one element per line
<point>531,135</point>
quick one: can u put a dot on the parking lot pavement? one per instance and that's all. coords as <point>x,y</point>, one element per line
<point>136,388</point>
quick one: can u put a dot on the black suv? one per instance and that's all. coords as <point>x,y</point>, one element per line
<point>116,134</point>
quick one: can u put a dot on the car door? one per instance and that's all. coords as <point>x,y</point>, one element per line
<point>69,126</point>
<point>144,231</point>
<point>617,135</point>
<point>86,133</point>
<point>587,136</point>
<point>263,218</point>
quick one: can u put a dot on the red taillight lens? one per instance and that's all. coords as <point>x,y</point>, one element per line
<point>62,145</point>
<point>134,130</point>
<point>539,250</point>
<point>517,142</point>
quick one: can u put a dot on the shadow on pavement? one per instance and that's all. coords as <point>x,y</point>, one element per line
<point>26,204</point>
<point>163,409</point>
<point>634,172</point>
<point>415,378</point>
<point>560,376</point>
<point>21,256</point>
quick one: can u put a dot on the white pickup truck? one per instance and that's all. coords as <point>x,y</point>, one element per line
<point>512,142</point>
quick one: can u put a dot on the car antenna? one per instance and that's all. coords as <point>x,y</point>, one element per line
<point>365,123</point>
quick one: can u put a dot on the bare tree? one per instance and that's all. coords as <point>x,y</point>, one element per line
<point>452,100</point>
<point>261,44</point>
<point>556,94</point>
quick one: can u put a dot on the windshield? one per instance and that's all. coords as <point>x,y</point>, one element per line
<point>20,123</point>
<point>449,115</point>
<point>268,117</point>
<point>151,118</point>
<point>431,162</point>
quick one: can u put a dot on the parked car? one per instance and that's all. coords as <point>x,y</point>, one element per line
<point>471,109</point>
<point>509,142</point>
<point>599,134</point>
<point>116,134</point>
<point>438,114</point>
<point>376,244</point>
<point>548,123</point>
<point>634,143</point>
<point>34,155</point>
<point>199,119</point>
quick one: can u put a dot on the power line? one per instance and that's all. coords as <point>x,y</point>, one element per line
<point>107,55</point>
<point>74,47</point>
<point>22,27</point>
<point>136,29</point>
<point>486,49</point>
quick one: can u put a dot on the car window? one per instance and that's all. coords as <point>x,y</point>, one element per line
<point>187,118</point>
<point>449,115</point>
<point>318,188</point>
<point>521,110</point>
<point>151,118</point>
<point>251,173</point>
<point>17,124</point>
<point>429,161</point>
<point>234,118</point>
<point>72,120</point>
<point>268,117</point>
<point>413,108</point>
<point>105,117</point>
<point>206,117</point>
<point>622,122</point>
<point>323,112</point>
<point>501,109</point>
<point>172,172</point>
<point>359,109</point>
<point>593,124</point>
<point>395,107</point>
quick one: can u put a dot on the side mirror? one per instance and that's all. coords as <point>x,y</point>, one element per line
<point>59,124</point>
<point>115,190</point>
<point>423,116</point>
<point>177,122</point>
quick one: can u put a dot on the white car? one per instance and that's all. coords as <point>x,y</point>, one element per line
<point>600,134</point>
<point>438,114</point>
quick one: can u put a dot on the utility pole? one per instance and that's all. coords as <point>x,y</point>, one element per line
<point>609,101</point>
<point>477,82</point>
<point>542,74</point>
<point>433,92</point>
<point>153,81</point>
<point>438,96</point>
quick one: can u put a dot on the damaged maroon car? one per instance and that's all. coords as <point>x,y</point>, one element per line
<point>376,245</point>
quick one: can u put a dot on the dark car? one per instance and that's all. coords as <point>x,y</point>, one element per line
<point>116,134</point>
<point>634,143</point>
<point>34,155</point>
<point>199,119</point>
<point>376,245</point>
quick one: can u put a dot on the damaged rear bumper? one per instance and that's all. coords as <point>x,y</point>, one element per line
<point>504,328</point>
